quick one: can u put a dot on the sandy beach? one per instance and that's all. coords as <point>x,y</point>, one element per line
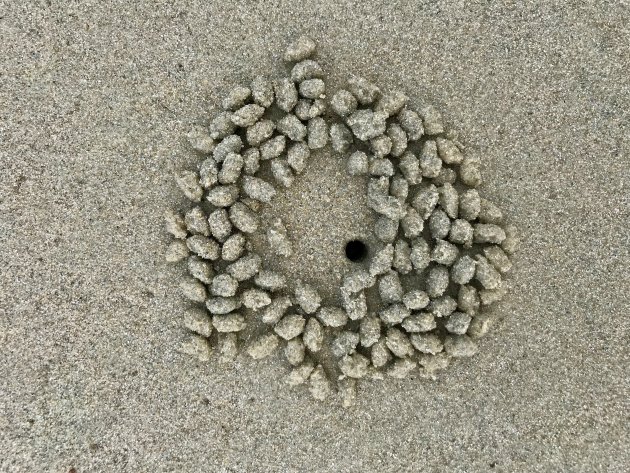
<point>95,104</point>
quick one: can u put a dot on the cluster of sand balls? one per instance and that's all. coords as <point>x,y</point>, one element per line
<point>443,253</point>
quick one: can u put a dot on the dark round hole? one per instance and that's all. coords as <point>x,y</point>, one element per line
<point>356,250</point>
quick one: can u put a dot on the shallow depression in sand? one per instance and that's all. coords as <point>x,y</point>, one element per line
<point>323,210</point>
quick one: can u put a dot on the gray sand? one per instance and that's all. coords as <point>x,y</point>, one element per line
<point>94,105</point>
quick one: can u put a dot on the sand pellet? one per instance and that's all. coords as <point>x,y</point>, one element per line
<point>255,299</point>
<point>381,146</point>
<point>196,221</point>
<point>340,137</point>
<point>229,144</point>
<point>200,269</point>
<point>380,354</point>
<point>200,140</point>
<point>282,172</point>
<point>204,247</point>
<point>343,103</point>
<point>437,281</point>
<point>432,120</point>
<point>263,346</point>
<point>366,124</point>
<point>222,195</point>
<point>219,225</point>
<point>193,290</point>
<point>381,167</point>
<point>317,133</point>
<point>297,156</point>
<point>355,305</point>
<point>301,48</point>
<point>251,161</point>
<point>236,98</point>
<point>259,132</point>
<point>468,299</point>
<point>278,239</point>
<point>512,242</point>
<point>344,343</point>
<point>357,164</point>
<point>415,299</point>
<point>229,322</point>
<point>490,296</point>
<point>390,288</point>
<point>228,347</point>
<point>286,94</point>
<point>412,223</point>
<point>460,346</point>
<point>382,260</point>
<point>401,368</point>
<point>398,139</point>
<point>198,347</point>
<point>307,297</point>
<point>426,343</point>
<point>175,225</point>
<point>331,316</point>
<point>305,109</point>
<point>221,126</point>
<point>270,280</point>
<point>305,70</point>
<point>313,335</point>
<point>469,173</point>
<point>245,267</point>
<point>461,233</point>
<point>176,251</point>
<point>463,270</point>
<point>425,201</point>
<point>448,151</point>
<point>247,115</point>
<point>386,229</point>
<point>262,91</point>
<point>188,182</point>
<point>497,258</point>
<point>420,256</point>
<point>198,321</point>
<point>444,253</point>
<point>411,123</point>
<point>370,331</point>
<point>300,374</point>
<point>410,168</point>
<point>394,314</point>
<point>399,187</point>
<point>224,285</point>
<point>233,247</point>
<point>258,189</point>
<point>276,309</point>
<point>439,224</point>
<point>391,103</point>
<point>312,88</point>
<point>208,173</point>
<point>295,351</point>
<point>457,323</point>
<point>420,322</point>
<point>398,343</point>
<point>354,366</point>
<point>430,163</point>
<point>319,384</point>
<point>442,306</point>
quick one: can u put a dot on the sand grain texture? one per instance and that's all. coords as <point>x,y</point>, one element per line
<point>94,107</point>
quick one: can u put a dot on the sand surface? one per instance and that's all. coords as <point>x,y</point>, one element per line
<point>95,99</point>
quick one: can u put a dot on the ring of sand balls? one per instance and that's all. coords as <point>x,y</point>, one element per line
<point>431,222</point>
